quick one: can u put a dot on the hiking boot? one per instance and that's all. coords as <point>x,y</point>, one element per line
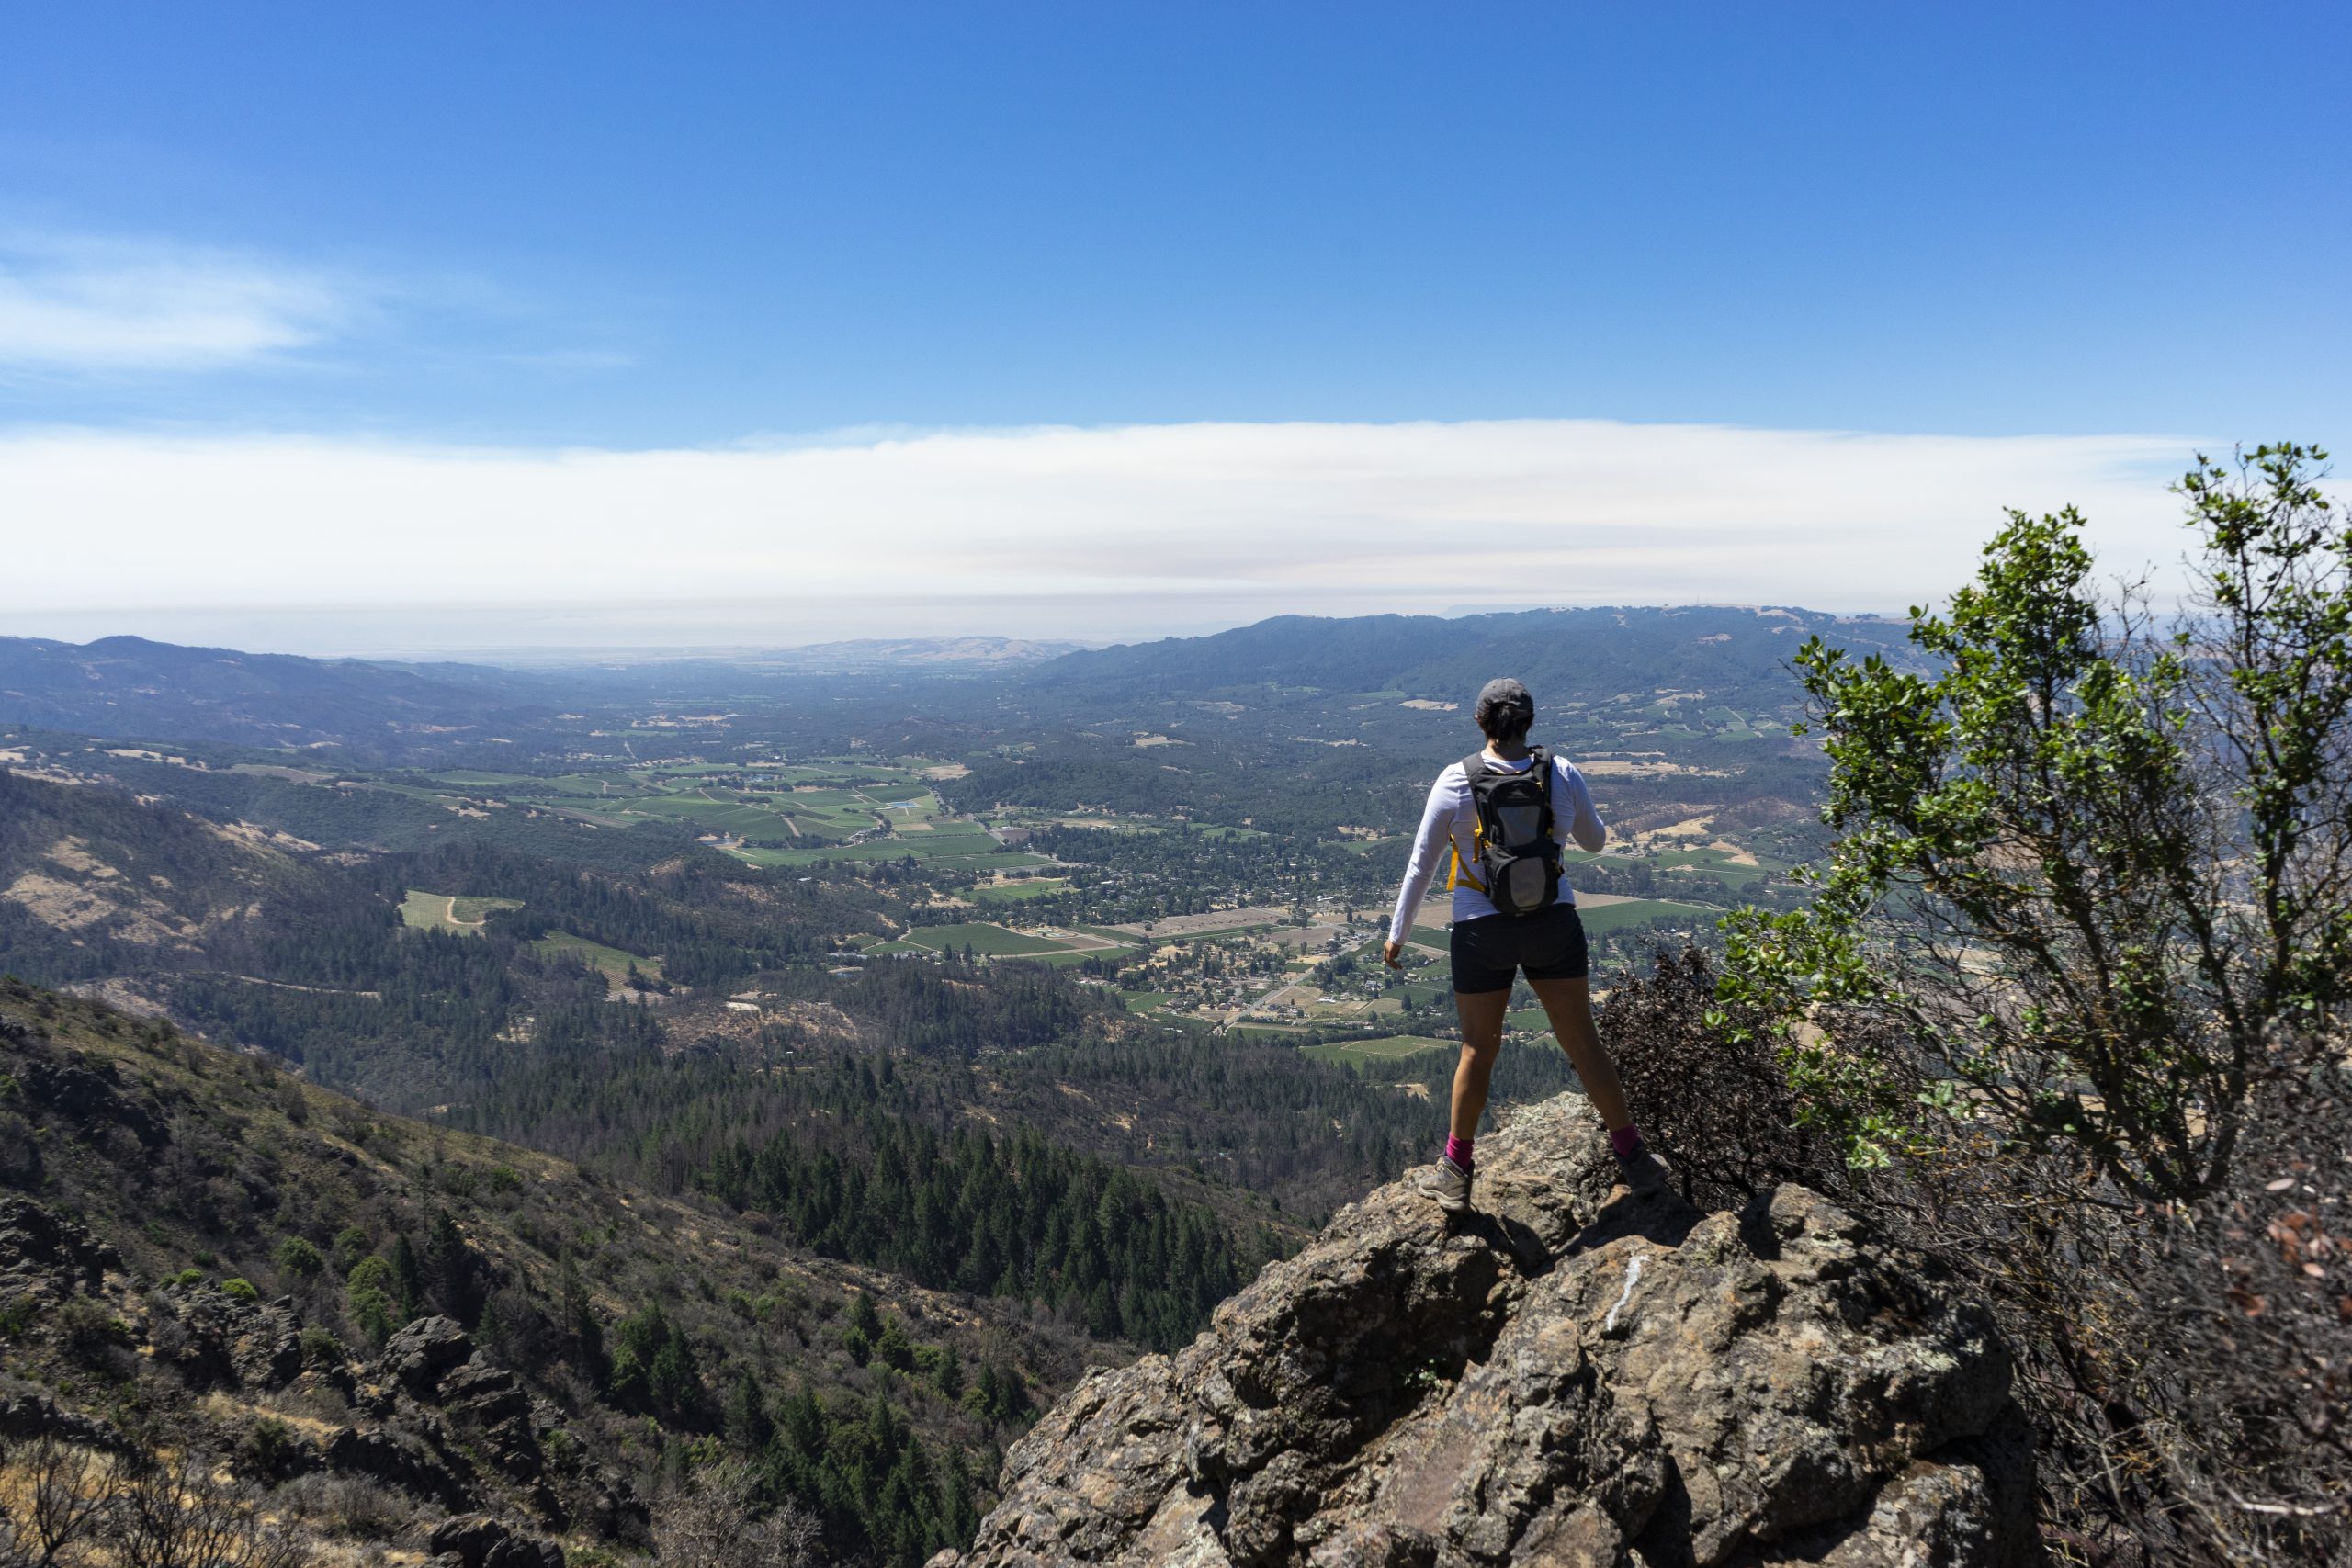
<point>1450,1185</point>
<point>1642,1172</point>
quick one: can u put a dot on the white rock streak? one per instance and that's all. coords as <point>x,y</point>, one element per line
<point>1633,1276</point>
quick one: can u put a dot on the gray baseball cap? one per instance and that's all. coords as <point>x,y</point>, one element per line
<point>1503,699</point>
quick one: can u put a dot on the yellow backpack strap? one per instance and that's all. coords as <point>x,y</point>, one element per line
<point>1460,874</point>
<point>1472,766</point>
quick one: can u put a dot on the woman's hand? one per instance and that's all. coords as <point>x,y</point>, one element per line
<point>1391,953</point>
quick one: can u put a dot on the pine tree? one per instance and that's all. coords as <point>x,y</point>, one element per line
<point>455,1270</point>
<point>408,1279</point>
<point>747,1422</point>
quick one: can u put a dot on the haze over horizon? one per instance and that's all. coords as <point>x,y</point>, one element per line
<point>456,331</point>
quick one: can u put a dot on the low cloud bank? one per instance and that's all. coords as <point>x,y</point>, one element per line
<point>1114,531</point>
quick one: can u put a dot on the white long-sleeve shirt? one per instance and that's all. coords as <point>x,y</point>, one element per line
<point>1450,821</point>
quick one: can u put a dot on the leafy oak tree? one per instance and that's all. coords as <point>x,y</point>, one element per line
<point>2068,1007</point>
<point>2098,873</point>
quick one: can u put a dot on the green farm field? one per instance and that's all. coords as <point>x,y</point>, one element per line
<point>1019,892</point>
<point>1641,911</point>
<point>612,961</point>
<point>989,941</point>
<point>1387,1048</point>
<point>461,913</point>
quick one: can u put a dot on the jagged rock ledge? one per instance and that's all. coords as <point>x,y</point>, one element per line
<point>1570,1376</point>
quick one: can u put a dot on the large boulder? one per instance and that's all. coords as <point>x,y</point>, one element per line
<point>1569,1376</point>
<point>417,1356</point>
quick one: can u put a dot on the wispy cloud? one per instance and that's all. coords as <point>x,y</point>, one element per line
<point>1087,532</point>
<point>75,303</point>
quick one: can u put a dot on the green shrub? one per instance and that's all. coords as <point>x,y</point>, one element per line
<point>267,1446</point>
<point>88,1329</point>
<point>240,1289</point>
<point>350,1245</point>
<point>369,1297</point>
<point>298,1258</point>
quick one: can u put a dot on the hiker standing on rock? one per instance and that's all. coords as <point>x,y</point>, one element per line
<point>1503,814</point>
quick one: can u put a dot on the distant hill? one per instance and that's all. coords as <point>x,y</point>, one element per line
<point>1588,652</point>
<point>130,686</point>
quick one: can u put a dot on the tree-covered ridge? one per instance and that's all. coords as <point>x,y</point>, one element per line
<point>269,945</point>
<point>1017,1218</point>
<point>710,920</point>
<point>871,1161</point>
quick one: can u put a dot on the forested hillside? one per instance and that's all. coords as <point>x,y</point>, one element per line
<point>199,1251</point>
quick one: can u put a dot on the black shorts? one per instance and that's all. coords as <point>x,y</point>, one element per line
<point>1488,951</point>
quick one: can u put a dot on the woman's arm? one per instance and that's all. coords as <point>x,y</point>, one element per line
<point>1436,837</point>
<point>1571,808</point>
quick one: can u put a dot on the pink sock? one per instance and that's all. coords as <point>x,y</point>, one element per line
<point>1458,1150</point>
<point>1626,1140</point>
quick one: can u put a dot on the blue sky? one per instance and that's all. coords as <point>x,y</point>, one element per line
<point>637,229</point>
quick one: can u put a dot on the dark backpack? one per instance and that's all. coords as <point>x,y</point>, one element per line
<point>1519,860</point>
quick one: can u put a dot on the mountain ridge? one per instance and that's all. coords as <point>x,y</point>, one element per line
<point>131,686</point>
<point>1558,650</point>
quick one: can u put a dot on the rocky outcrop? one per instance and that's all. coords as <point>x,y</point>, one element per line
<point>477,1540</point>
<point>48,1254</point>
<point>83,1090</point>
<point>449,1414</point>
<point>217,1340</point>
<point>27,1415</point>
<point>1569,1376</point>
<point>417,1356</point>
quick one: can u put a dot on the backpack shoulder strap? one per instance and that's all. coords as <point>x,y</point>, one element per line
<point>1474,768</point>
<point>1539,765</point>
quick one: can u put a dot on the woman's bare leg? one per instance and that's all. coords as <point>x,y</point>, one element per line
<point>1481,1013</point>
<point>1568,1004</point>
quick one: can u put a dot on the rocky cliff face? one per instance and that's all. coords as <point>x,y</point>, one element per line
<point>1569,1376</point>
